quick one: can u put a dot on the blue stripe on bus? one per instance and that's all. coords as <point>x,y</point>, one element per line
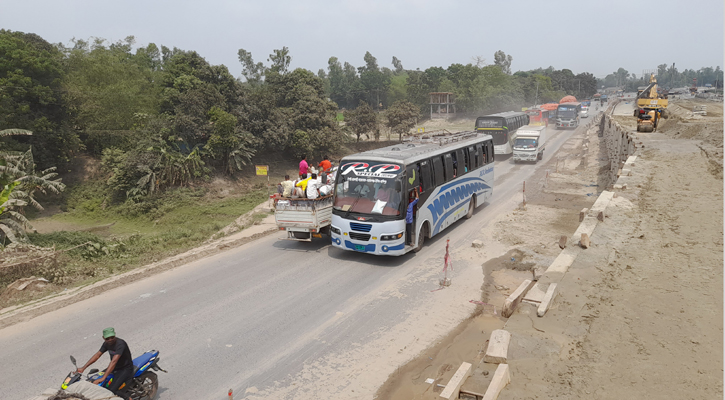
<point>446,203</point>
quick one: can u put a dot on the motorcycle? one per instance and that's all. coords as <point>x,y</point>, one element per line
<point>143,385</point>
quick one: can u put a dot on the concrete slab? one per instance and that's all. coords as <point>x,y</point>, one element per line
<point>498,347</point>
<point>453,388</point>
<point>501,378</point>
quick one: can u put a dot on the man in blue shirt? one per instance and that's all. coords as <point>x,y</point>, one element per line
<point>409,216</point>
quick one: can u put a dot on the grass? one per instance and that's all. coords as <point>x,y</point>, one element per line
<point>120,237</point>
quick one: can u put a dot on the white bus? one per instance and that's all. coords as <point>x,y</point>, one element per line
<point>502,127</point>
<point>452,173</point>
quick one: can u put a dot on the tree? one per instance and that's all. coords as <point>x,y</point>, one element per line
<point>107,85</point>
<point>31,75</point>
<point>503,61</point>
<point>398,65</point>
<point>228,143</point>
<point>253,73</point>
<point>401,117</point>
<point>19,181</point>
<point>361,120</point>
<point>280,60</point>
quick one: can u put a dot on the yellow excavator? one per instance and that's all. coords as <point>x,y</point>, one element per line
<point>650,107</point>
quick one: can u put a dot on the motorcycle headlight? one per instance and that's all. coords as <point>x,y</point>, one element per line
<point>392,237</point>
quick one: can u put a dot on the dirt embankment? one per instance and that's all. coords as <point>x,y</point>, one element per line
<point>520,242</point>
<point>638,315</point>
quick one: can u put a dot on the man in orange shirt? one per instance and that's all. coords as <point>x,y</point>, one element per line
<point>325,164</point>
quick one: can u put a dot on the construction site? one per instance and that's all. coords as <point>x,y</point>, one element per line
<point>621,298</point>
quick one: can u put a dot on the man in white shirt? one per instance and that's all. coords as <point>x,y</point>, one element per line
<point>312,186</point>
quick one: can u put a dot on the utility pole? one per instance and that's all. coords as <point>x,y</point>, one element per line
<point>537,93</point>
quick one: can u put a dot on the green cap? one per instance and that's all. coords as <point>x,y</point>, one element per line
<point>108,332</point>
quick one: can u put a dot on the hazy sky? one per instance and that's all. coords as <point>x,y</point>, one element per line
<point>596,36</point>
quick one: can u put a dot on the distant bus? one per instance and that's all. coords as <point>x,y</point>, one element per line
<point>502,127</point>
<point>453,174</point>
<point>567,115</point>
<point>538,117</point>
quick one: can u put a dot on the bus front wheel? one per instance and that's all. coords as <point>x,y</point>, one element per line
<point>421,239</point>
<point>471,206</point>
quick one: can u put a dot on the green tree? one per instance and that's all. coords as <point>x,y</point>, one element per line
<point>503,61</point>
<point>31,75</point>
<point>108,86</point>
<point>19,182</point>
<point>229,143</point>
<point>280,60</point>
<point>401,117</point>
<point>361,120</point>
<point>252,72</point>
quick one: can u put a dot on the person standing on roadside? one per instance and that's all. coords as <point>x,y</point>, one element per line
<point>121,365</point>
<point>303,167</point>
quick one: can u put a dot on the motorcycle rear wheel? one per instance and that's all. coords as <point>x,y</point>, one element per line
<point>148,385</point>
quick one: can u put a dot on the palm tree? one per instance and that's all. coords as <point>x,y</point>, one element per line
<point>19,181</point>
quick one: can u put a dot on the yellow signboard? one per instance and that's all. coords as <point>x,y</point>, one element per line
<point>421,130</point>
<point>261,169</point>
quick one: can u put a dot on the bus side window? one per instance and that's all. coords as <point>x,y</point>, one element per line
<point>469,153</point>
<point>438,171</point>
<point>462,162</point>
<point>489,146</point>
<point>449,167</point>
<point>426,176</point>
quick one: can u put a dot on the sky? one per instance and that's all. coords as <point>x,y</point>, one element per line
<point>596,36</point>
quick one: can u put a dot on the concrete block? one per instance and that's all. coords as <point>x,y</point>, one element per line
<point>626,172</point>
<point>453,388</point>
<point>582,214</point>
<point>477,244</point>
<point>584,241</point>
<point>546,302</point>
<point>501,378</point>
<point>498,347</point>
<point>515,298</point>
<point>562,242</point>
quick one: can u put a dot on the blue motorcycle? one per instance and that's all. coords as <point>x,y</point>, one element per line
<point>143,385</point>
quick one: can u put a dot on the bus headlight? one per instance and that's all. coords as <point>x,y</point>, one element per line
<point>334,230</point>
<point>392,237</point>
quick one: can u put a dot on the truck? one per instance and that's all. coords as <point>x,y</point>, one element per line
<point>530,143</point>
<point>302,218</point>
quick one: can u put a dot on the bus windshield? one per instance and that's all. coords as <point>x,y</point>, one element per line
<point>369,188</point>
<point>566,112</point>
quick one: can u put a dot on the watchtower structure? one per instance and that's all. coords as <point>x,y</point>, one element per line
<point>442,105</point>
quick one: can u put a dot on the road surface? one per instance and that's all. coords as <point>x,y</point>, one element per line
<point>271,318</point>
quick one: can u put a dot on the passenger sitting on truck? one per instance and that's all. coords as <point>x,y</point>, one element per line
<point>303,186</point>
<point>312,185</point>
<point>287,186</point>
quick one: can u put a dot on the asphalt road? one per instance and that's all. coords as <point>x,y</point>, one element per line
<point>252,316</point>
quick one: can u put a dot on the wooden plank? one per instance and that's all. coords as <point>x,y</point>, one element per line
<point>501,378</point>
<point>512,301</point>
<point>498,347</point>
<point>453,387</point>
<point>472,393</point>
<point>544,306</point>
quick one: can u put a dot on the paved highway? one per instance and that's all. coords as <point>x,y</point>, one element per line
<point>271,318</point>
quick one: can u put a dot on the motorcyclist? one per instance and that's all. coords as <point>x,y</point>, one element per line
<point>121,365</point>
